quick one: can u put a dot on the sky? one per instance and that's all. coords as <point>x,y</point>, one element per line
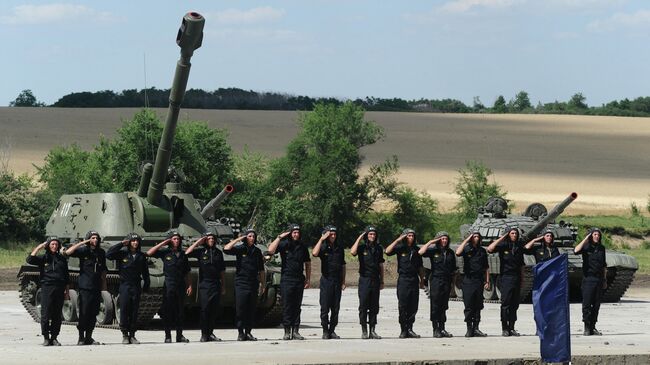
<point>457,49</point>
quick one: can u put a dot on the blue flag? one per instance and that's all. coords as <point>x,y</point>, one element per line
<point>551,308</point>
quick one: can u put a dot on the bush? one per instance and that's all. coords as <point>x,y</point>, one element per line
<point>474,189</point>
<point>21,209</point>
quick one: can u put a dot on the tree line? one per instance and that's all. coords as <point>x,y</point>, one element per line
<point>235,98</point>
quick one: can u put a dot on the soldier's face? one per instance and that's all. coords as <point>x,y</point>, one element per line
<point>513,235</point>
<point>211,241</point>
<point>93,240</point>
<point>250,238</point>
<point>444,241</point>
<point>548,238</point>
<point>295,235</point>
<point>53,246</point>
<point>176,241</point>
<point>372,236</point>
<point>595,236</point>
<point>332,237</point>
<point>134,244</point>
<point>410,238</point>
<point>475,239</point>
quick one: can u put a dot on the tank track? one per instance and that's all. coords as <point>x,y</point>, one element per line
<point>617,287</point>
<point>273,316</point>
<point>149,302</point>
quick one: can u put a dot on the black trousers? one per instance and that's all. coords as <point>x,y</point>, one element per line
<point>440,288</point>
<point>209,296</point>
<point>129,306</point>
<point>473,298</point>
<point>245,305</point>
<point>292,293</point>
<point>89,301</point>
<point>510,286</point>
<point>592,293</point>
<point>368,300</point>
<point>330,302</point>
<point>51,306</point>
<point>408,297</point>
<point>173,309</point>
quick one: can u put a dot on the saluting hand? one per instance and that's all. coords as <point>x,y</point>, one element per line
<point>324,236</point>
<point>283,235</point>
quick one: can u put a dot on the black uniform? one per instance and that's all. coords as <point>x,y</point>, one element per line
<point>133,270</point>
<point>92,265</point>
<point>175,267</point>
<point>250,262</point>
<point>511,257</point>
<point>54,278</point>
<point>443,268</point>
<point>409,264</point>
<point>294,254</point>
<point>211,265</point>
<point>543,253</point>
<point>475,263</point>
<point>332,258</point>
<point>593,274</point>
<point>371,256</point>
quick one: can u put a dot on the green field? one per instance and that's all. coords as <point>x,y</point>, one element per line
<point>13,257</point>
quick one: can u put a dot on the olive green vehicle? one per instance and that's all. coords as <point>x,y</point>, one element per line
<point>492,221</point>
<point>158,206</point>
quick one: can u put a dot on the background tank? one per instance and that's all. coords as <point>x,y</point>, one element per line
<point>158,206</point>
<point>492,220</point>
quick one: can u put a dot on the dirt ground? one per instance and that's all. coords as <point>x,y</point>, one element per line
<point>535,157</point>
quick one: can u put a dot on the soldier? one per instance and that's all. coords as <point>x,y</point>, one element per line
<point>546,250</point>
<point>511,256</point>
<point>371,279</point>
<point>476,277</point>
<point>211,281</point>
<point>132,266</point>
<point>92,280</point>
<point>332,280</point>
<point>54,287</point>
<point>249,281</point>
<point>594,278</point>
<point>293,283</point>
<point>177,284</point>
<point>443,270</point>
<point>409,268</point>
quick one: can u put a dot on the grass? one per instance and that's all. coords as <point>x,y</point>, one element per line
<point>642,255</point>
<point>13,257</point>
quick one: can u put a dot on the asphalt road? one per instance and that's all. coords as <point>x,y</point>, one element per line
<point>625,328</point>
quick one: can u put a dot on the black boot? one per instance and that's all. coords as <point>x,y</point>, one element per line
<point>587,331</point>
<point>168,337</point>
<point>436,330</point>
<point>203,338</point>
<point>89,339</point>
<point>132,338</point>
<point>249,336</point>
<point>296,334</point>
<point>374,334</point>
<point>477,331</point>
<point>513,332</point>
<point>326,334</point>
<point>241,336</point>
<point>82,338</point>
<point>180,337</point>
<point>403,333</point>
<point>411,333</point>
<point>213,338</point>
<point>505,329</point>
<point>333,334</point>
<point>470,330</point>
<point>287,333</point>
<point>594,331</point>
<point>46,340</point>
<point>125,338</point>
<point>54,341</point>
<point>364,332</point>
<point>444,332</point>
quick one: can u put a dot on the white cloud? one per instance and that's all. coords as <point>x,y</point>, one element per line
<point>586,3</point>
<point>462,6</point>
<point>640,18</point>
<point>251,16</point>
<point>54,13</point>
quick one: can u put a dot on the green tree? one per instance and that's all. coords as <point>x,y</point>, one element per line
<point>521,102</point>
<point>577,101</point>
<point>21,209</point>
<point>477,104</point>
<point>500,105</point>
<point>26,98</point>
<point>474,189</point>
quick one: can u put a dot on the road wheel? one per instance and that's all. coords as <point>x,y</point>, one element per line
<point>458,287</point>
<point>70,307</point>
<point>106,313</point>
<point>490,294</point>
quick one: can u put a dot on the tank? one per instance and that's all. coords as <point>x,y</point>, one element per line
<point>491,222</point>
<point>158,206</point>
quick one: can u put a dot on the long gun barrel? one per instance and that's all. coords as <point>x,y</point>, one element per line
<point>212,206</point>
<point>554,213</point>
<point>189,38</point>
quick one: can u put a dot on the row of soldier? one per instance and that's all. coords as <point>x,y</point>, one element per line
<point>296,272</point>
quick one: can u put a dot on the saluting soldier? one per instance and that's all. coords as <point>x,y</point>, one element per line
<point>544,251</point>
<point>211,281</point>
<point>132,265</point>
<point>92,280</point>
<point>249,281</point>
<point>476,277</point>
<point>177,284</point>
<point>294,281</point>
<point>332,280</point>
<point>54,287</point>
<point>443,271</point>
<point>594,278</point>
<point>511,259</point>
<point>409,281</point>
<point>371,279</point>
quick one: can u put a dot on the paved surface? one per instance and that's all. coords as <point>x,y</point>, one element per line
<point>625,328</point>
